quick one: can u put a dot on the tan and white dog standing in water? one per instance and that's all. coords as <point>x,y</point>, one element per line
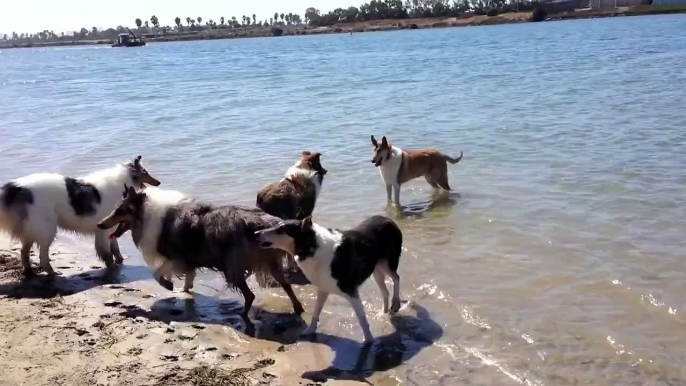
<point>398,166</point>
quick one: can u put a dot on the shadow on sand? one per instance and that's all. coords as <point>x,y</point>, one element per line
<point>353,360</point>
<point>41,286</point>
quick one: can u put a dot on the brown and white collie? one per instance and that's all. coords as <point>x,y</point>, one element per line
<point>398,166</point>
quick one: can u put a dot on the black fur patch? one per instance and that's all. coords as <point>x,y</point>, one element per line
<point>13,194</point>
<point>376,239</point>
<point>83,197</point>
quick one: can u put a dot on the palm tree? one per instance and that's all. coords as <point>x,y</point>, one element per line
<point>139,23</point>
<point>177,20</point>
<point>233,21</point>
<point>221,20</point>
<point>193,22</point>
<point>199,20</point>
<point>95,31</point>
<point>147,25</point>
<point>271,20</point>
<point>155,21</point>
<point>254,19</point>
<point>290,18</point>
<point>188,20</point>
<point>276,16</point>
<point>282,17</point>
<point>243,19</point>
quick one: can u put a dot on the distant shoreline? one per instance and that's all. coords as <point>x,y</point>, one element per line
<point>379,25</point>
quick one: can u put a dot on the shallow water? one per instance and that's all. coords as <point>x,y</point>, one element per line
<point>559,256</point>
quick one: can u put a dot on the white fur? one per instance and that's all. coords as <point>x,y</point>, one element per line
<point>51,210</point>
<point>317,268</point>
<point>157,201</point>
<point>389,170</point>
<point>297,170</point>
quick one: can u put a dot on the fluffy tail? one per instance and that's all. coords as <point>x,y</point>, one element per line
<point>453,160</point>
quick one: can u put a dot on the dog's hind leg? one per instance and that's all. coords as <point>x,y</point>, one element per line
<point>188,281</point>
<point>278,276</point>
<point>380,278</point>
<point>442,177</point>
<point>44,240</point>
<point>356,303</point>
<point>114,248</point>
<point>318,306</point>
<point>383,266</point>
<point>248,296</point>
<point>103,248</point>
<point>26,257</point>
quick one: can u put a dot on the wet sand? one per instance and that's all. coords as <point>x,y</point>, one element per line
<point>82,328</point>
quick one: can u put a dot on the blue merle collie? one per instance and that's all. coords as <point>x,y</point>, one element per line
<point>32,208</point>
<point>179,235</point>
<point>339,262</point>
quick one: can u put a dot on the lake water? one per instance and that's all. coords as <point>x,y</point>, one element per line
<point>559,257</point>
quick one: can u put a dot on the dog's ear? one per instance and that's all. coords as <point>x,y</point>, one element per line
<point>307,223</point>
<point>137,162</point>
<point>376,144</point>
<point>131,192</point>
<point>305,152</point>
<point>384,141</point>
<point>316,156</point>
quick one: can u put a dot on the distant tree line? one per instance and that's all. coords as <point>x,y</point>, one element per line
<point>374,10</point>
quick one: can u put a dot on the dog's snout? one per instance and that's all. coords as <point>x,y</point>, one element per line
<point>372,161</point>
<point>101,225</point>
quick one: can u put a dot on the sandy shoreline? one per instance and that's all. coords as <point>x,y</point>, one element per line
<point>78,329</point>
<point>383,25</point>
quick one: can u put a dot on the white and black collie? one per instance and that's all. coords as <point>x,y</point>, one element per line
<point>178,235</point>
<point>338,262</point>
<point>295,196</point>
<point>32,208</point>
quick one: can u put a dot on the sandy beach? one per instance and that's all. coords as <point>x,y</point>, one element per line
<point>82,329</point>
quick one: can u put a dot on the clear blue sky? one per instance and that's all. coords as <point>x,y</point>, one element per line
<point>31,16</point>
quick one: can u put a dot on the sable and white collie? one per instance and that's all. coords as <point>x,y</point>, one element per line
<point>178,235</point>
<point>338,262</point>
<point>398,166</point>
<point>295,196</point>
<point>32,208</point>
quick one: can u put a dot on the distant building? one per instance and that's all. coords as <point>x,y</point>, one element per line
<point>663,2</point>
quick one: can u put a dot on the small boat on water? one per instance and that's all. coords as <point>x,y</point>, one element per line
<point>128,40</point>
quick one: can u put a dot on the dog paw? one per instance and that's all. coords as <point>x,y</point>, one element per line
<point>368,341</point>
<point>396,306</point>
<point>167,284</point>
<point>119,260</point>
<point>298,309</point>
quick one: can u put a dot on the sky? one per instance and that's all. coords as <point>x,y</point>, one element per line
<point>30,16</point>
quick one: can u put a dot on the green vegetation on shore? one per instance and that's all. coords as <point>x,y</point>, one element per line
<point>372,16</point>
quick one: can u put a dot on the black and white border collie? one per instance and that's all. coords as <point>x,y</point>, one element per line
<point>32,208</point>
<point>338,262</point>
<point>179,235</point>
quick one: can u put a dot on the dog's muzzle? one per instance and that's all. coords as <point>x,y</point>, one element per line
<point>261,241</point>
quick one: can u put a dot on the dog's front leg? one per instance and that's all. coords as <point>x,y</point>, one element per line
<point>389,189</point>
<point>188,281</point>
<point>396,189</point>
<point>318,306</point>
<point>103,248</point>
<point>356,303</point>
<point>114,248</point>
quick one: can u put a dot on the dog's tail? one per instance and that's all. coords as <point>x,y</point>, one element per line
<point>14,201</point>
<point>453,160</point>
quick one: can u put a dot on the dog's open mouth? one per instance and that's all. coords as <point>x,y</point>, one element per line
<point>121,228</point>
<point>265,244</point>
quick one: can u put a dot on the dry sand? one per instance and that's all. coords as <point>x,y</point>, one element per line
<point>80,329</point>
